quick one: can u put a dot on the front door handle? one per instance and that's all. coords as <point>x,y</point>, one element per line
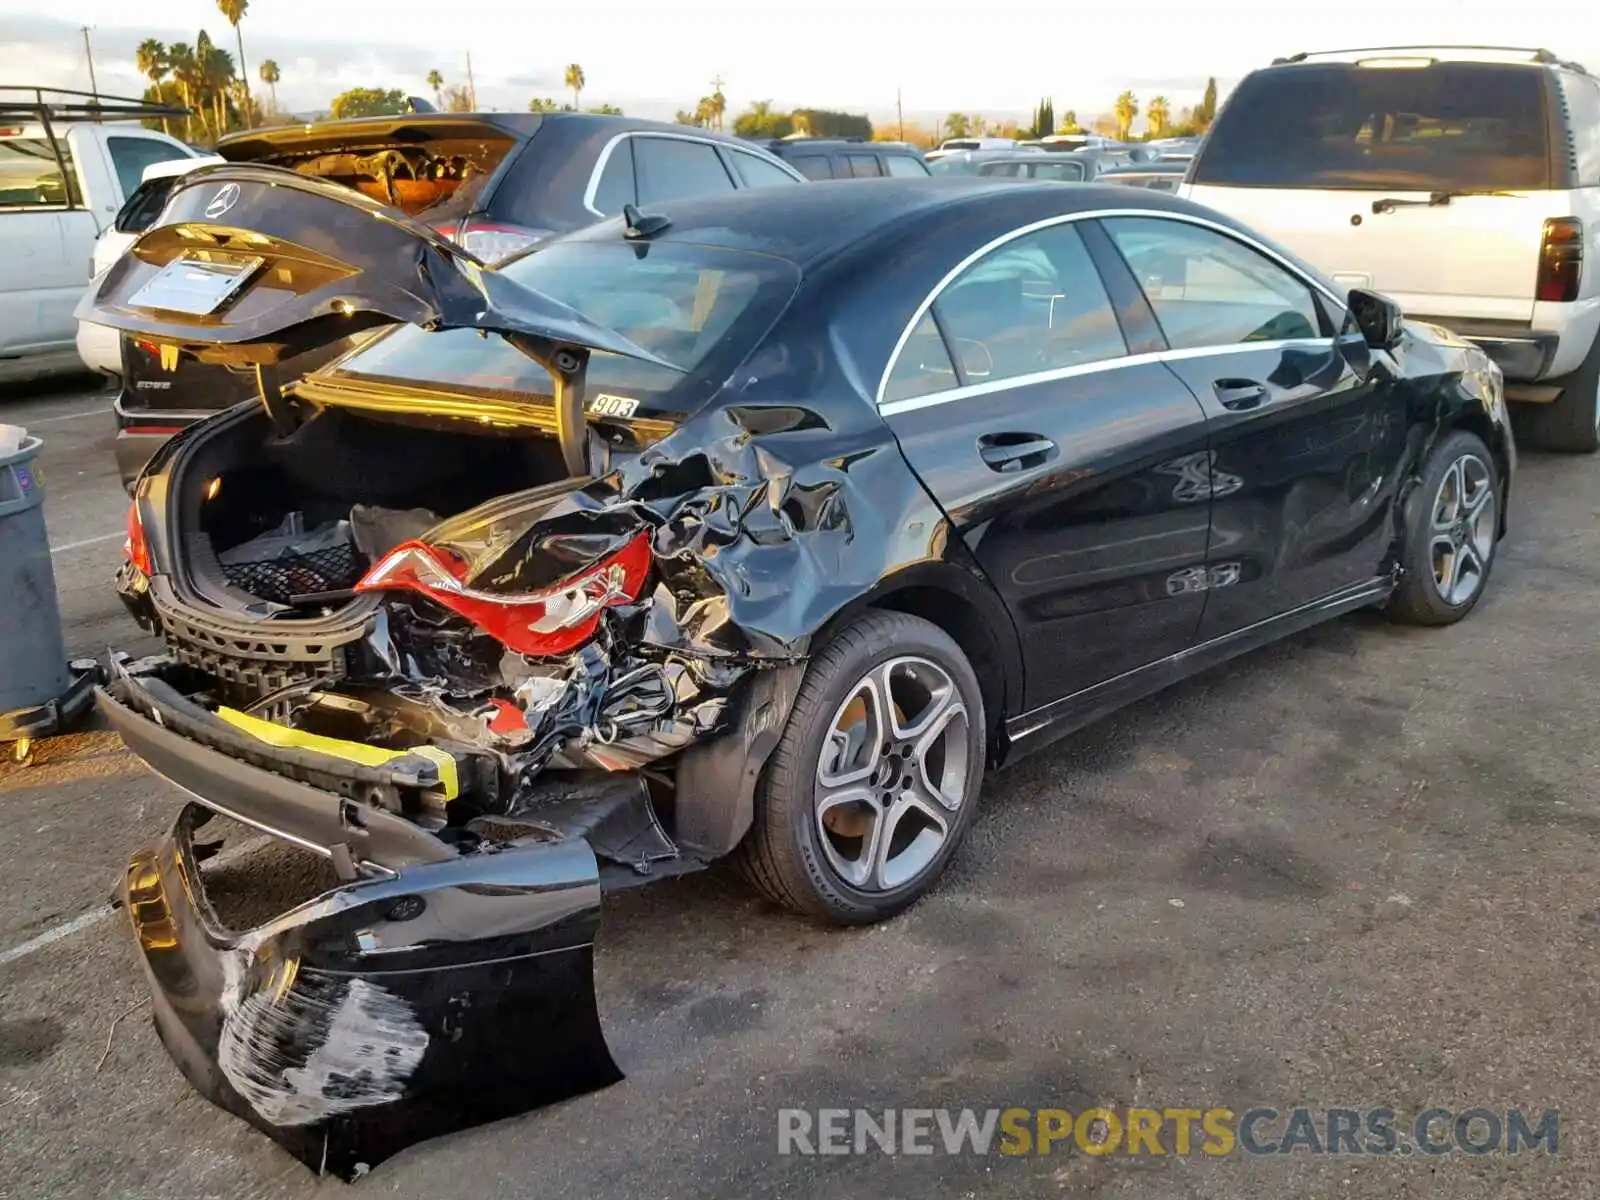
<point>1008,452</point>
<point>1237,395</point>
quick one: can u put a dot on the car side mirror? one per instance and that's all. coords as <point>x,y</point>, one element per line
<point>1379,318</point>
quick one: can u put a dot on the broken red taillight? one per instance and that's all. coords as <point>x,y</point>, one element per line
<point>552,620</point>
<point>135,549</point>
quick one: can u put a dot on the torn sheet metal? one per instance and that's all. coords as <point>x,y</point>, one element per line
<point>386,1011</point>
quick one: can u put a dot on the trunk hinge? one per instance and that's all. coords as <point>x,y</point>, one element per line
<point>273,399</point>
<point>568,366</point>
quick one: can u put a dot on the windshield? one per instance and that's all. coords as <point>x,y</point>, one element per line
<point>700,308</point>
<point>1446,127</point>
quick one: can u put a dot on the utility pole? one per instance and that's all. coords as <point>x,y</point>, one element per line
<point>88,51</point>
<point>900,114</point>
<point>472,88</point>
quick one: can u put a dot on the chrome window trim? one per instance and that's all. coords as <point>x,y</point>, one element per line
<point>1098,214</point>
<point>890,408</point>
<point>739,185</point>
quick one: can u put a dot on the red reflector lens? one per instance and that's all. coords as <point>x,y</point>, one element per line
<point>1560,260</point>
<point>553,620</point>
<point>135,549</point>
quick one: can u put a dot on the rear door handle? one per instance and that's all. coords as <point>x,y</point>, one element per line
<point>1238,395</point>
<point>1007,452</point>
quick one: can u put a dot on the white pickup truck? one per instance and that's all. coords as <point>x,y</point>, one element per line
<point>68,161</point>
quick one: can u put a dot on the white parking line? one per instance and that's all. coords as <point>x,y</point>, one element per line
<point>56,933</point>
<point>94,541</point>
<point>105,408</point>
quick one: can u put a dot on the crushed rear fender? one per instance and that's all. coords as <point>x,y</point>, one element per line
<point>386,1011</point>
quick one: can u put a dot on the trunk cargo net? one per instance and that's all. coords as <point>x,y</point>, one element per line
<point>290,562</point>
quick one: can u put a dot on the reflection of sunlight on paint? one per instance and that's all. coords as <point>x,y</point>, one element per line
<point>71,758</point>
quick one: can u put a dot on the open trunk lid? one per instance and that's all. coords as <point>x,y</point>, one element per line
<point>252,266</point>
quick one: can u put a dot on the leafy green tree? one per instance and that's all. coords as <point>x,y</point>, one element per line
<point>757,121</point>
<point>457,100</point>
<point>543,104</point>
<point>957,125</point>
<point>436,82</point>
<point>368,102</point>
<point>575,81</point>
<point>1127,110</point>
<point>825,122</point>
<point>1206,112</point>
<point>234,10</point>
<point>151,59</point>
<point>1069,122</point>
<point>607,110</point>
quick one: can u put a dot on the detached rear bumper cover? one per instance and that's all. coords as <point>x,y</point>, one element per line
<point>390,1010</point>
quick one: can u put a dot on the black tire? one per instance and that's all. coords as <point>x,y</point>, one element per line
<point>1572,422</point>
<point>1419,600</point>
<point>783,855</point>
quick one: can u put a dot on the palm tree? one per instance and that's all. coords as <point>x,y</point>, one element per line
<point>956,125</point>
<point>184,66</point>
<point>234,10</point>
<point>716,107</point>
<point>1127,109</point>
<point>151,59</point>
<point>214,68</point>
<point>1158,113</point>
<point>575,81</point>
<point>436,82</point>
<point>270,76</point>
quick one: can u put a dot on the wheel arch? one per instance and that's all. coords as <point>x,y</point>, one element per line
<point>1471,418</point>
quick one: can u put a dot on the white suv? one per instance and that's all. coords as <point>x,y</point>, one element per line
<point>1462,181</point>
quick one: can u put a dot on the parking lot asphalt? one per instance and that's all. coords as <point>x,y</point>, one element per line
<point>1354,870</point>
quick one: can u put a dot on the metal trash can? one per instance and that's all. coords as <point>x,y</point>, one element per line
<point>39,690</point>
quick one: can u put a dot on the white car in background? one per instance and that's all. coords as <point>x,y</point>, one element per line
<point>100,346</point>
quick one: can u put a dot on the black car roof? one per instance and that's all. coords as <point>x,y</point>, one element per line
<point>818,220</point>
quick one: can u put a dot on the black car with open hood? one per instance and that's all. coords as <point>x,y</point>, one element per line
<point>754,528</point>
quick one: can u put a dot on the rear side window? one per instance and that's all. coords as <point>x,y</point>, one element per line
<point>1582,94</point>
<point>758,172</point>
<point>1034,304</point>
<point>812,166</point>
<point>616,181</point>
<point>863,166</point>
<point>131,155</point>
<point>671,169</point>
<point>1208,290</point>
<point>1447,127</point>
<point>30,176</point>
<point>145,205</point>
<point>904,166</point>
<point>1007,170</point>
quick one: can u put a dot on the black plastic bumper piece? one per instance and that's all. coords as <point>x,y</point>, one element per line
<point>386,1011</point>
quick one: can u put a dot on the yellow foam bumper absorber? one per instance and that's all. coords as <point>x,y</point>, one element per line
<point>359,753</point>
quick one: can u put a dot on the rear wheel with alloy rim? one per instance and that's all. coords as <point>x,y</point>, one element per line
<point>1452,524</point>
<point>875,779</point>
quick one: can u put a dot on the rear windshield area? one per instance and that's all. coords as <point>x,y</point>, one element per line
<point>1445,127</point>
<point>700,308</point>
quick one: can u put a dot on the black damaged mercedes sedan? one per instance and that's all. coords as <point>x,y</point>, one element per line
<point>755,527</point>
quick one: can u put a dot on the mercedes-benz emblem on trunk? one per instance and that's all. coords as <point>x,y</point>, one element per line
<point>227,196</point>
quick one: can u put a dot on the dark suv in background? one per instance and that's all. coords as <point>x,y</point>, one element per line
<point>495,183</point>
<point>847,158</point>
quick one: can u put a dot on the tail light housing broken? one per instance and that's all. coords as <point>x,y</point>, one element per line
<point>550,621</point>
<point>134,548</point>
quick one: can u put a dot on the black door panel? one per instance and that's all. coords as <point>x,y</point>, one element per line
<point>1095,540</point>
<point>1295,511</point>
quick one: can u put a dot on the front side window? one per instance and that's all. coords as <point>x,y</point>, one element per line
<point>1445,127</point>
<point>673,169</point>
<point>132,155</point>
<point>1207,289</point>
<point>1034,304</point>
<point>30,176</point>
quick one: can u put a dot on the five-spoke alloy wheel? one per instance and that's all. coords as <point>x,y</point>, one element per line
<point>1451,528</point>
<point>876,776</point>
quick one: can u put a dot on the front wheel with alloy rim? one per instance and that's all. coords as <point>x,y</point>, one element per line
<point>875,779</point>
<point>1452,525</point>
